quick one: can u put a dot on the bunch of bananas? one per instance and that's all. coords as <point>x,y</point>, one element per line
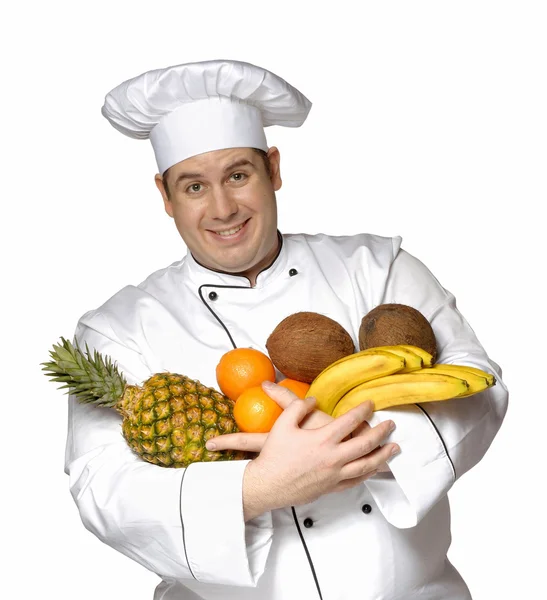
<point>392,376</point>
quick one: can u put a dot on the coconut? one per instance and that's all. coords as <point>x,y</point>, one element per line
<point>393,324</point>
<point>306,343</point>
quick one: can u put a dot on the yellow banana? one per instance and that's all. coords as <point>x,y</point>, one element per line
<point>458,368</point>
<point>398,389</point>
<point>412,359</point>
<point>426,357</point>
<point>477,383</point>
<point>340,377</point>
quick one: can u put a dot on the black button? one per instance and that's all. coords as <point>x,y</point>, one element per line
<point>366,508</point>
<point>213,295</point>
<point>308,523</point>
<point>293,272</point>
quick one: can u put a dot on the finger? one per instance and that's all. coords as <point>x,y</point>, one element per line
<point>250,442</point>
<point>342,426</point>
<point>296,411</point>
<point>282,395</point>
<point>364,444</point>
<point>316,419</point>
<point>368,464</point>
<point>364,427</point>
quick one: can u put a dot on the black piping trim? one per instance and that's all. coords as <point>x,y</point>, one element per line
<point>182,523</point>
<point>281,242</point>
<point>307,552</point>
<point>235,287</point>
<point>243,287</point>
<point>440,437</point>
<point>205,285</point>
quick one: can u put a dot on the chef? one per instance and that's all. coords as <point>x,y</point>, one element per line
<point>304,520</point>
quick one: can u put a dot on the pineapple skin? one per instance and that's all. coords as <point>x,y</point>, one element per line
<point>168,420</point>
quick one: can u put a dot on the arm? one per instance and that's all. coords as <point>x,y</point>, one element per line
<point>162,518</point>
<point>439,441</point>
<point>307,453</point>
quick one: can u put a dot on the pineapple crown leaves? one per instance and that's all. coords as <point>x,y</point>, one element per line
<point>91,378</point>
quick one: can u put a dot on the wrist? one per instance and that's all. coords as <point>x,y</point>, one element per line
<point>256,499</point>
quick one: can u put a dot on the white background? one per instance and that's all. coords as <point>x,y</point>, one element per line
<point>429,121</point>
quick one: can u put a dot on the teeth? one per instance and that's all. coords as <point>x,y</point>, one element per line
<point>230,231</point>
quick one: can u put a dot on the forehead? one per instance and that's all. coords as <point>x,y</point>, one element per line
<point>210,162</point>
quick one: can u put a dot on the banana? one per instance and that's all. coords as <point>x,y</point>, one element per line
<point>458,368</point>
<point>407,388</point>
<point>340,377</point>
<point>477,383</point>
<point>426,357</point>
<point>412,359</point>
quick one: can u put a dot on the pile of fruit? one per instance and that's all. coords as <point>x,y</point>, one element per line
<point>240,374</point>
<point>395,364</point>
<point>391,376</point>
<point>169,418</point>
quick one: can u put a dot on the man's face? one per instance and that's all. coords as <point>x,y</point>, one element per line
<point>224,206</point>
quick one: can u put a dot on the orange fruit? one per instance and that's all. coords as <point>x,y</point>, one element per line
<point>300,388</point>
<point>255,411</point>
<point>243,368</point>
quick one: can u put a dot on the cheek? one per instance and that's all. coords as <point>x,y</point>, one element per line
<point>187,219</point>
<point>260,201</point>
<point>269,206</point>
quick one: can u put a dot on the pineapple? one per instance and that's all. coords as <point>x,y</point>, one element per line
<point>166,421</point>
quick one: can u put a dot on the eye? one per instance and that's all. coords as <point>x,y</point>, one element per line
<point>238,176</point>
<point>194,188</point>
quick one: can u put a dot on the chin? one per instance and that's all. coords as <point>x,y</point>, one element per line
<point>238,262</point>
<point>234,268</point>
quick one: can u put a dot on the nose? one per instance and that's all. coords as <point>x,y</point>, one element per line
<point>223,205</point>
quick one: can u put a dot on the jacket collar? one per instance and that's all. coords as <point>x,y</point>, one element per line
<point>201,275</point>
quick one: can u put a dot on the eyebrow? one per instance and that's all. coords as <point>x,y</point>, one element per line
<point>238,163</point>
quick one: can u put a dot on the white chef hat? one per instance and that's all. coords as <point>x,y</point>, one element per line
<point>193,108</point>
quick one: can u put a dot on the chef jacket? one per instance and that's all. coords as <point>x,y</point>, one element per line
<point>385,539</point>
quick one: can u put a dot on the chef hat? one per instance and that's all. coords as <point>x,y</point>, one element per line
<point>198,107</point>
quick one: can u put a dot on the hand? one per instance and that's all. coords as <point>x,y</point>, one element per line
<point>254,442</point>
<point>297,465</point>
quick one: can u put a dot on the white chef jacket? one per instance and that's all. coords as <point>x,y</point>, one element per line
<point>386,539</point>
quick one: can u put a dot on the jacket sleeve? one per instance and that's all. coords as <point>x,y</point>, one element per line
<point>439,441</point>
<point>178,523</point>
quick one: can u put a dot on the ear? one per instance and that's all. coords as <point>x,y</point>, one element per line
<point>166,201</point>
<point>275,168</point>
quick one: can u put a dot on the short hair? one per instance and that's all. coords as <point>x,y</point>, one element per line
<point>259,151</point>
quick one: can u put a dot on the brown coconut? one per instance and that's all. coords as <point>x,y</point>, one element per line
<point>305,343</point>
<point>392,324</point>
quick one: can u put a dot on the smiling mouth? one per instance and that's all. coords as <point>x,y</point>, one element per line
<point>232,231</point>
